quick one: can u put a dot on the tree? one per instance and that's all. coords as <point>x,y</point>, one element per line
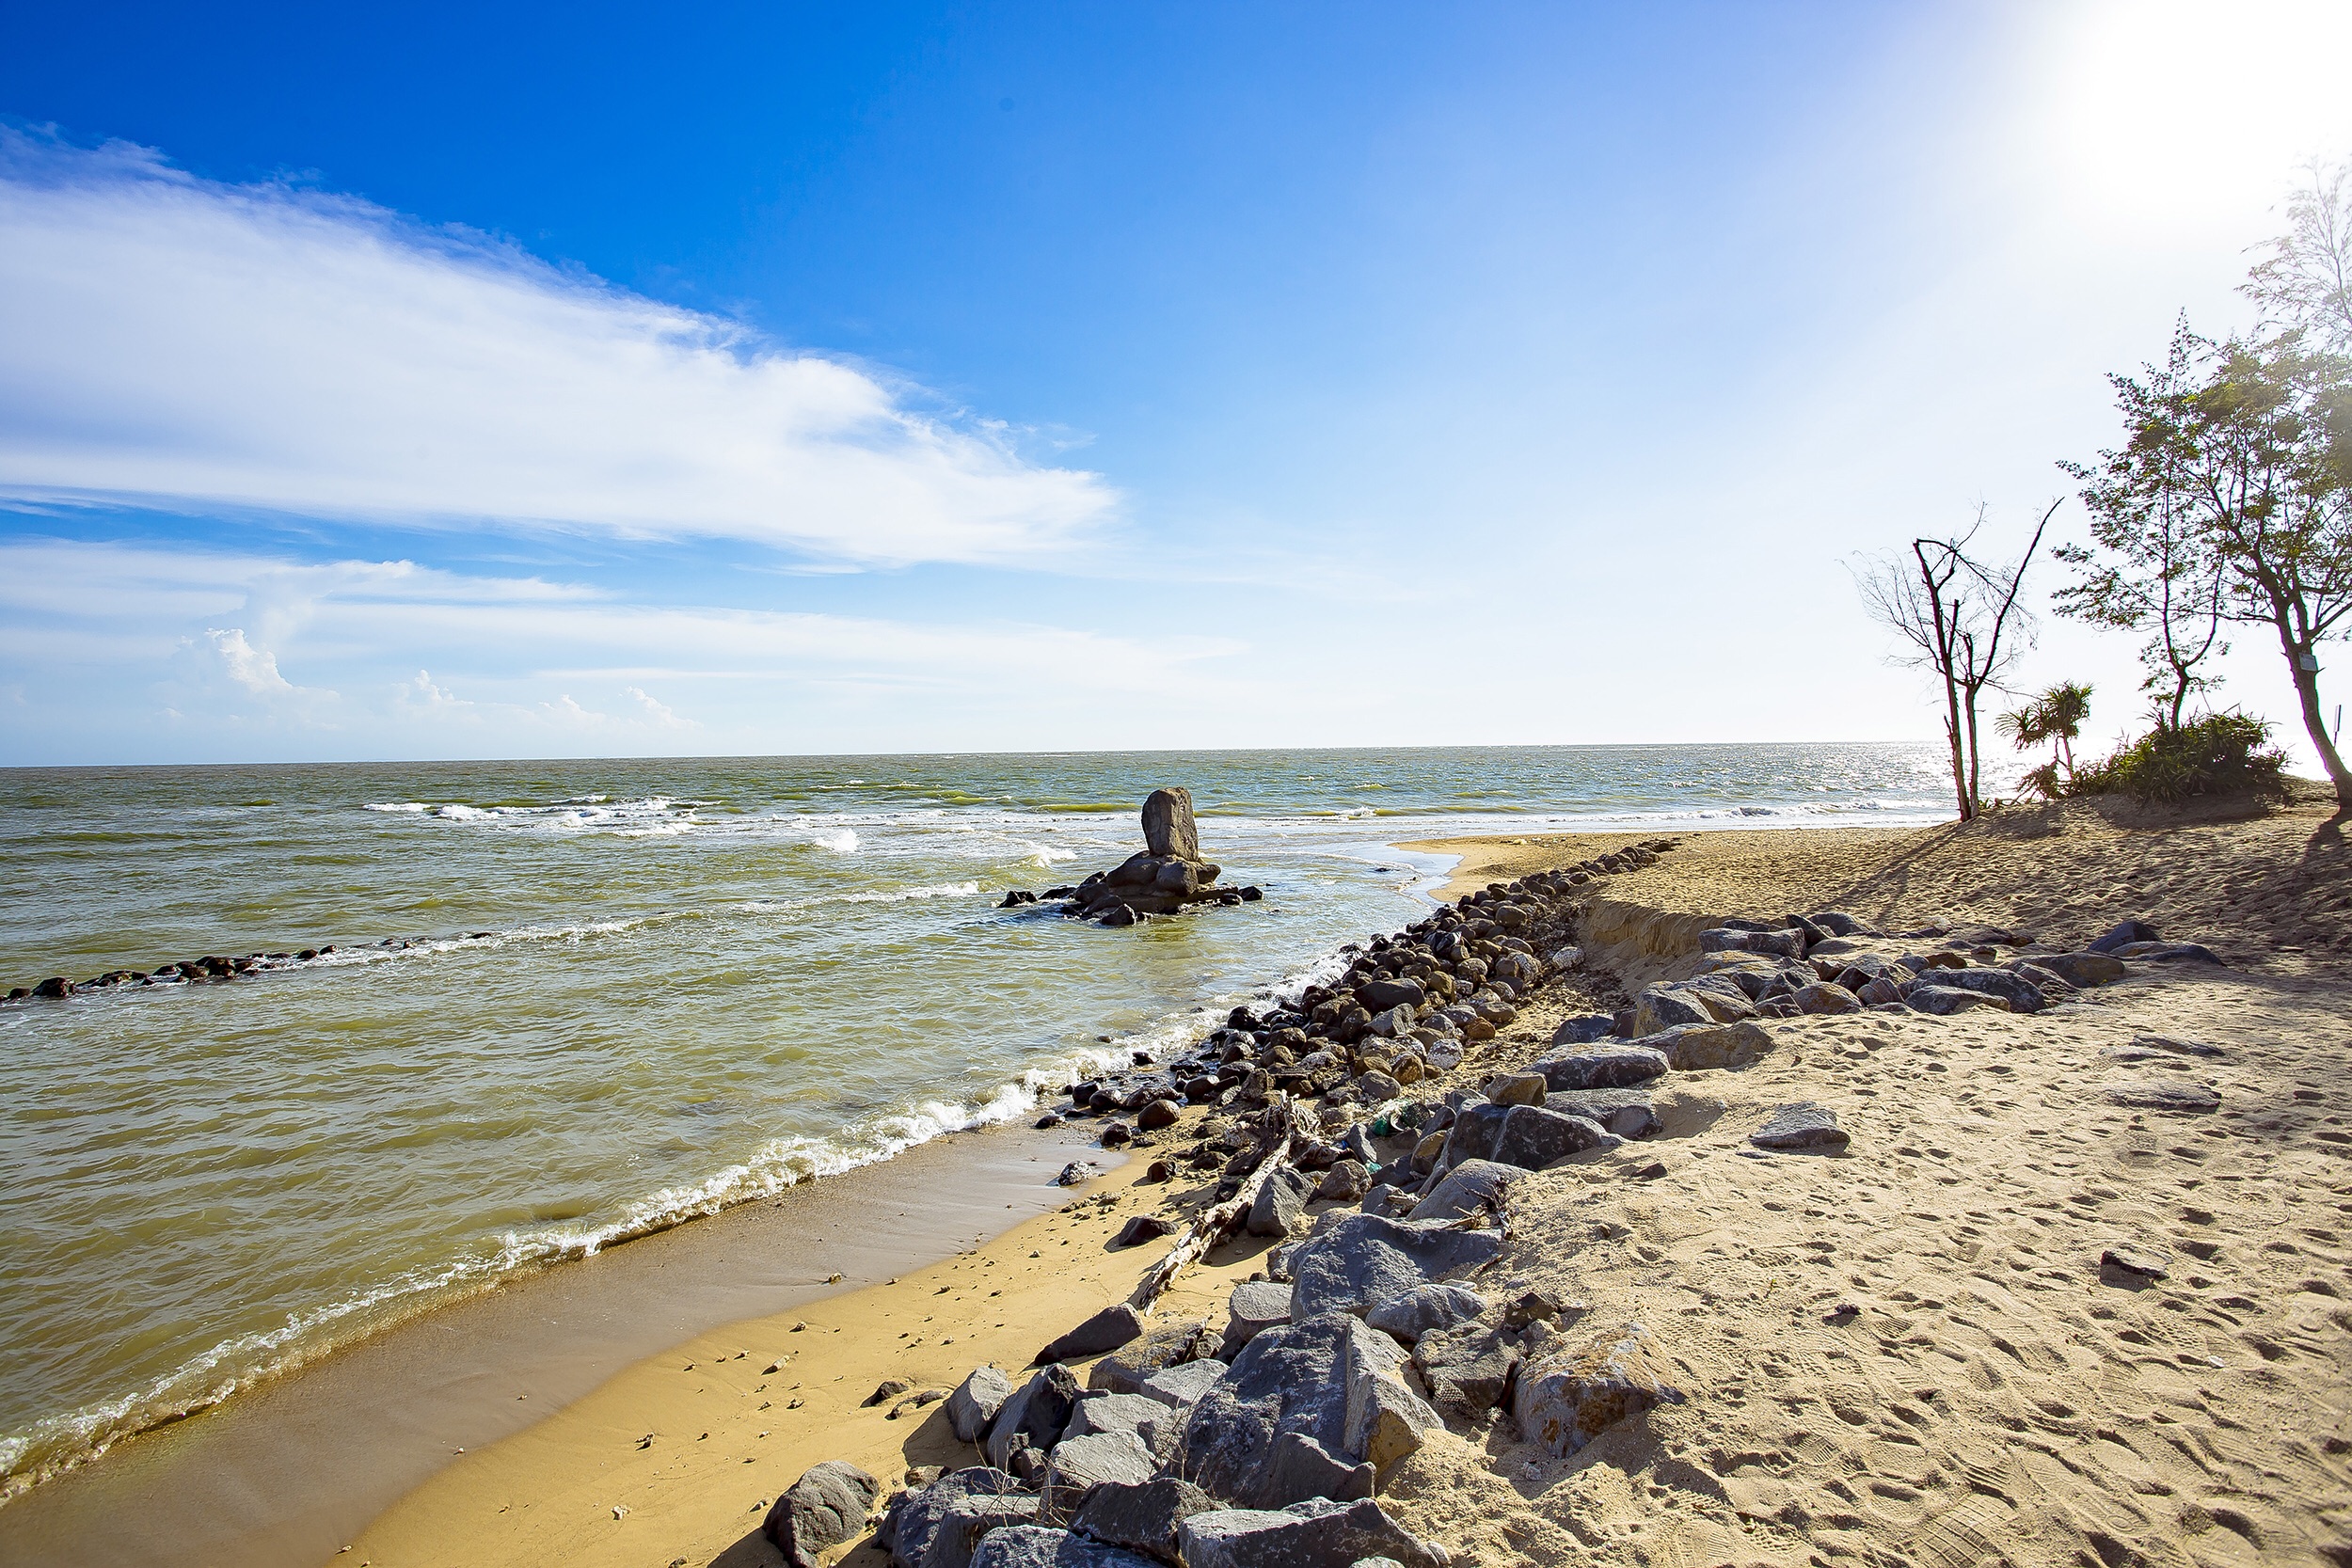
<point>2159,572</point>
<point>1963,621</point>
<point>2305,284</point>
<point>2055,718</point>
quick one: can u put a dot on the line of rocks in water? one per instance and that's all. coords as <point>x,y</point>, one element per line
<point>207,971</point>
<point>1267,1439</point>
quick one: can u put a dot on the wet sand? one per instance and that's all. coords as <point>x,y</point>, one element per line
<point>286,1474</point>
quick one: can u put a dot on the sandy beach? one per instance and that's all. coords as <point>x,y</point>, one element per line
<point>1907,1350</point>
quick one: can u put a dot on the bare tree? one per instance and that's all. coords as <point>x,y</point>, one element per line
<point>1962,619</point>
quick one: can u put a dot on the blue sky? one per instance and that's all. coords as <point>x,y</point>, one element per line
<point>588,380</point>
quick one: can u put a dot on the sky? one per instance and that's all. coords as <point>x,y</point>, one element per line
<point>599,380</point>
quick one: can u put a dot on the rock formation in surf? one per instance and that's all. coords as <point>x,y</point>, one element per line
<point>1167,875</point>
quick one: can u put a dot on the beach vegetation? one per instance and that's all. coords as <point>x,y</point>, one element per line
<point>2053,718</point>
<point>2220,754</point>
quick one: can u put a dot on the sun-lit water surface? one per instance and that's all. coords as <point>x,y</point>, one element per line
<point>693,982</point>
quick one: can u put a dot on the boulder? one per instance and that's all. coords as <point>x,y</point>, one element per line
<point>1125,1369</point>
<point>1108,1329</point>
<point>1256,1306</point>
<point>1034,1416</point>
<point>1825,997</point>
<point>1317,1534</point>
<point>1039,1546</point>
<point>1525,1136</point>
<point>1475,1186</point>
<point>1620,1067</point>
<point>1169,827</point>
<point>1517,1089</point>
<point>1468,1368</point>
<point>1690,1048</point>
<point>1362,1260</point>
<point>939,1525</point>
<point>1302,1467</point>
<point>2022,994</point>
<point>1584,1029</point>
<point>1142,1516</point>
<point>2085,970</point>
<point>1566,1398</point>
<point>2123,935</point>
<point>1328,1380</point>
<point>825,1507</point>
<point>2169,952</point>
<point>1426,1309</point>
<point>1802,1125</point>
<point>976,1401</point>
<point>1943,1001</point>
<point>1627,1113</point>
<point>1378,996</point>
<point>1344,1182</point>
<point>1838,923</point>
<point>1385,1418</point>
<point>1180,1387</point>
<point>1079,1465</point>
<point>1662,1007</point>
<point>1096,1413</point>
<point>1141,1229</point>
<point>1280,1206</point>
<point>1158,1114</point>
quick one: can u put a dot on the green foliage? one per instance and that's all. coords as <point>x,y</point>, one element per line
<point>2220,754</point>
<point>2054,717</point>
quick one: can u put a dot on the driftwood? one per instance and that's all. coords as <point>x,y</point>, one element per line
<point>1207,1230</point>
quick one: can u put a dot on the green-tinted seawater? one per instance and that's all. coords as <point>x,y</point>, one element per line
<point>694,982</point>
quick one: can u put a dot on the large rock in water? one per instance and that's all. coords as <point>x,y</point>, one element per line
<point>818,1512</point>
<point>1365,1260</point>
<point>1167,825</point>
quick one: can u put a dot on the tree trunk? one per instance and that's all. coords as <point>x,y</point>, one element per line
<point>2315,722</point>
<point>1960,765</point>
<point>1976,761</point>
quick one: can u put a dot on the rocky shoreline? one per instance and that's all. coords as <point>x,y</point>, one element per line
<point>1351,1126</point>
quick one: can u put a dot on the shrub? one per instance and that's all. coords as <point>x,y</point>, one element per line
<point>2222,753</point>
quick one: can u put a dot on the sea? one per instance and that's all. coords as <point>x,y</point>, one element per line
<point>572,1002</point>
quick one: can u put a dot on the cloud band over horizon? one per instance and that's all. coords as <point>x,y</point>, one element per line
<point>173,342</point>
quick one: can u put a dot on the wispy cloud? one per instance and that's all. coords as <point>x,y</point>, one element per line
<point>176,342</point>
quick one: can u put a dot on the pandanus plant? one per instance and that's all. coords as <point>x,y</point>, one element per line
<point>2054,719</point>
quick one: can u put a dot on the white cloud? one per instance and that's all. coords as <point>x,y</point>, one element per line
<point>176,342</point>
<point>255,669</point>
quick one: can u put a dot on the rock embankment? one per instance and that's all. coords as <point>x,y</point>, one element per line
<point>1334,1125</point>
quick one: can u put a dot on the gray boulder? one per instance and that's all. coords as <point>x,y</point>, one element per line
<point>1141,1516</point>
<point>1280,1206</point>
<point>1425,1308</point>
<point>1256,1306</point>
<point>1475,1186</point>
<point>1095,1414</point>
<point>1331,1382</point>
<point>1180,1386</point>
<point>1378,996</point>
<point>1943,1001</point>
<point>1108,1329</point>
<point>938,1526</point>
<point>1315,1534</point>
<point>818,1512</point>
<point>1584,1029</point>
<point>1302,1467</point>
<point>2169,952</point>
<point>1526,1135</point>
<point>1662,1007</point>
<point>1079,1465</point>
<point>1804,1125</point>
<point>1364,1260</point>
<point>1468,1368</point>
<point>1566,1397</point>
<point>2123,935</point>
<point>976,1401</point>
<point>1692,1047</point>
<point>1035,1416</point>
<point>1619,1067</point>
<point>2084,970</point>
<point>1627,1113</point>
<point>2022,994</point>
<point>1124,1370</point>
<point>1036,1547</point>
